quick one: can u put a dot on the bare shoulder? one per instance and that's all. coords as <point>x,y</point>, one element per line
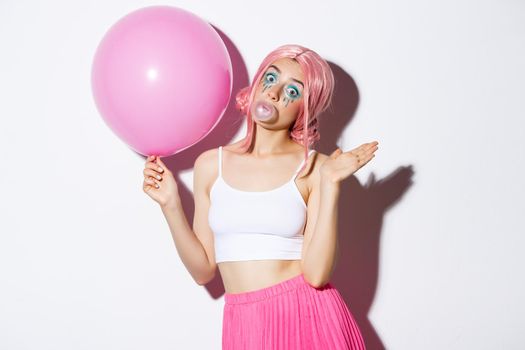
<point>206,157</point>
<point>233,147</point>
<point>317,159</point>
<point>208,160</point>
<point>205,169</point>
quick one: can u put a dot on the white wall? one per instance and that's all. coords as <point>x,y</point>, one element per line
<point>433,247</point>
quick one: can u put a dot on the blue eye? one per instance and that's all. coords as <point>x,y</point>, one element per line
<point>293,92</point>
<point>270,75</point>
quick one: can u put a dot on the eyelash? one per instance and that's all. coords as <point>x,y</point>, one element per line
<point>266,83</point>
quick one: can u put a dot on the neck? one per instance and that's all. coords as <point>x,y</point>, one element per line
<point>272,142</point>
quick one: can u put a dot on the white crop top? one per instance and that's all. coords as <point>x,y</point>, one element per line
<point>257,225</point>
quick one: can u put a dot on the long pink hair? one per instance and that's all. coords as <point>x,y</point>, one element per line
<point>317,95</point>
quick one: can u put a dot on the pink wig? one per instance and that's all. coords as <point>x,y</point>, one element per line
<point>317,95</point>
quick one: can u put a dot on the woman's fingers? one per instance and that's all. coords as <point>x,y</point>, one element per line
<point>154,166</point>
<point>371,150</point>
<point>152,173</point>
<point>161,164</point>
<point>365,147</point>
<point>153,169</point>
<point>151,182</point>
<point>372,145</point>
<point>364,153</point>
<point>368,148</point>
<point>148,187</point>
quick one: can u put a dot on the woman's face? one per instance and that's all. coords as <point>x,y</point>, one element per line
<point>282,86</point>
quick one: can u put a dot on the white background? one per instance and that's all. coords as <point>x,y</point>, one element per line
<point>87,260</point>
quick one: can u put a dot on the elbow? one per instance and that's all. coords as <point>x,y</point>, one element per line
<point>316,277</point>
<point>315,282</point>
<point>204,281</point>
<point>318,284</point>
<point>205,278</point>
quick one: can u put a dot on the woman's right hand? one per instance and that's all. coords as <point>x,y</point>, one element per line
<point>159,182</point>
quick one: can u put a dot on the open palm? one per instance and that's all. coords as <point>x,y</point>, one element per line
<point>341,165</point>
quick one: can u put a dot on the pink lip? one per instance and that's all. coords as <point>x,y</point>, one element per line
<point>263,110</point>
<point>266,105</point>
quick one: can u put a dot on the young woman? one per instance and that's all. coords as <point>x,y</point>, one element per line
<point>266,213</point>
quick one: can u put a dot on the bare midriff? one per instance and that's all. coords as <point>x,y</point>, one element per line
<point>246,276</point>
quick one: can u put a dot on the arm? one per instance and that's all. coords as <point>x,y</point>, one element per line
<point>320,242</point>
<point>195,246</point>
<point>320,236</point>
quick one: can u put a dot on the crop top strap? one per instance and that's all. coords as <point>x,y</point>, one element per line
<point>220,161</point>
<point>301,165</point>
<point>295,173</point>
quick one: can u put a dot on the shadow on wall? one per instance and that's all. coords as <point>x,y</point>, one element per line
<point>360,214</point>
<point>361,207</point>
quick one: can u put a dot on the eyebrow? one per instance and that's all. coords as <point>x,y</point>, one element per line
<point>277,69</point>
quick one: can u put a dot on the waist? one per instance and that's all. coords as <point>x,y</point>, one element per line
<point>274,290</point>
<point>245,276</point>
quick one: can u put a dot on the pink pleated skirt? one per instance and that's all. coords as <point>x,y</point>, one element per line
<point>287,316</point>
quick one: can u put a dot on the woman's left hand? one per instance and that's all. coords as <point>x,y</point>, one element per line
<point>341,165</point>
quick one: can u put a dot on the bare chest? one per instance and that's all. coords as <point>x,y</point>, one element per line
<point>262,175</point>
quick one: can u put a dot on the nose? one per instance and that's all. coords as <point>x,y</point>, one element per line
<point>274,92</point>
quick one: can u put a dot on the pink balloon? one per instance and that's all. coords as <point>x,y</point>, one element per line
<point>161,79</point>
